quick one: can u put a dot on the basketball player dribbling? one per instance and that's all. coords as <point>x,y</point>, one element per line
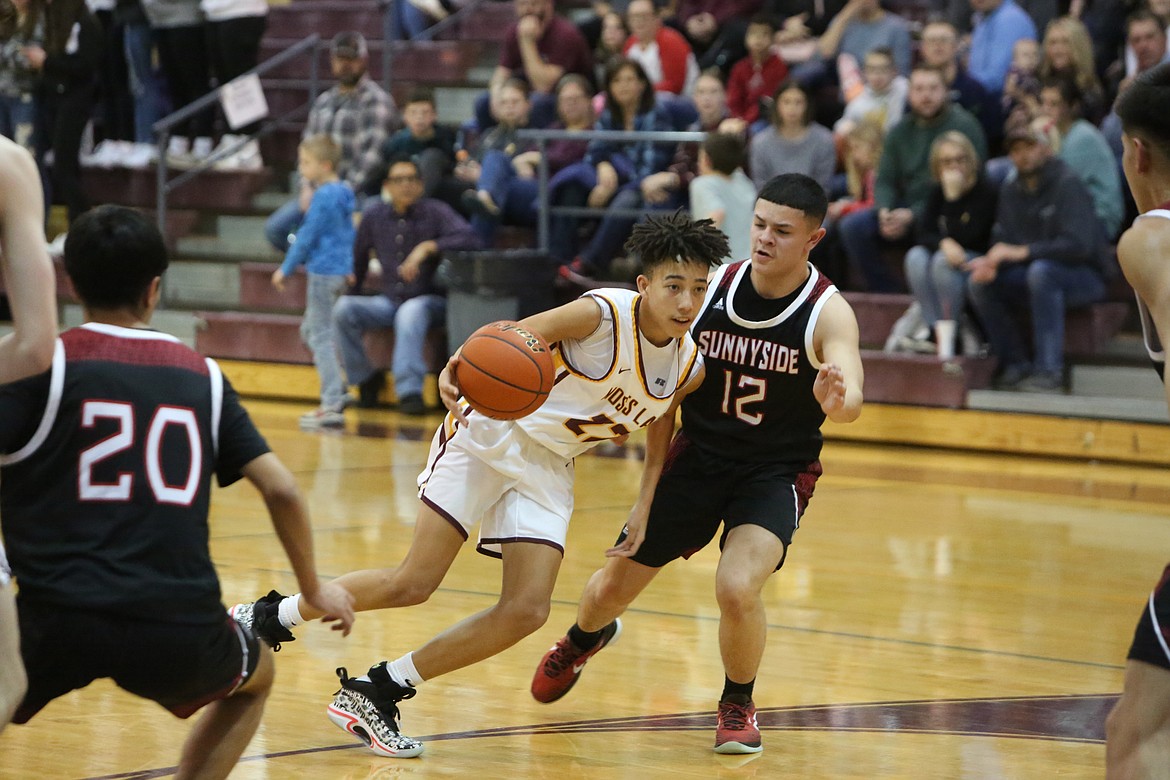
<point>781,353</point>
<point>106,462</point>
<point>1138,729</point>
<point>26,351</point>
<point>623,359</point>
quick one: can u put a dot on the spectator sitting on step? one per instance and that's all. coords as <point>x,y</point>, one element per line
<point>323,244</point>
<point>539,49</point>
<point>940,49</point>
<point>430,144</point>
<point>478,175</point>
<point>1046,253</point>
<point>882,101</point>
<point>357,114</point>
<point>715,30</point>
<point>755,77</point>
<point>407,236</point>
<point>953,229</point>
<point>794,143</point>
<point>998,25</point>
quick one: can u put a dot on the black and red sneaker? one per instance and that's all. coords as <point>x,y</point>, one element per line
<point>561,666</point>
<point>736,730</point>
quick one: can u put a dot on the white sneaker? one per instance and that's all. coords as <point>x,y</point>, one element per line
<point>56,247</point>
<point>322,418</point>
<point>202,148</point>
<point>179,152</point>
<point>246,158</point>
<point>140,156</point>
<point>432,8</point>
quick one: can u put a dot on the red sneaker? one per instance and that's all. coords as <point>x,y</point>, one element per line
<point>737,731</point>
<point>562,665</point>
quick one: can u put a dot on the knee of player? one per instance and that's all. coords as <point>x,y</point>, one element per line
<point>736,593</point>
<point>525,616</point>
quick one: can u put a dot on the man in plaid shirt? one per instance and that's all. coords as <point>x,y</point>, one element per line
<point>357,113</point>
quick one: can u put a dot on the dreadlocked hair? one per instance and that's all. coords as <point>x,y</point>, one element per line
<point>676,238</point>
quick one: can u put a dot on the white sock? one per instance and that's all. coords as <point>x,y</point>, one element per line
<point>403,672</point>
<point>289,611</point>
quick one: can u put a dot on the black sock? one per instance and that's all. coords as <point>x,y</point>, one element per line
<point>584,640</point>
<point>737,693</point>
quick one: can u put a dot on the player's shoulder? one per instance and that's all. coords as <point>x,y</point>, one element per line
<point>135,346</point>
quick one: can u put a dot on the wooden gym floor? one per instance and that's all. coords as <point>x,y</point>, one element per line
<point>941,615</point>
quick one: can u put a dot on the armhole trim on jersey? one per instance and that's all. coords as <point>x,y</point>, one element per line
<point>713,288</point>
<point>813,316</point>
<point>615,320</point>
<point>52,405</point>
<point>805,291</point>
<point>687,374</point>
<point>216,377</point>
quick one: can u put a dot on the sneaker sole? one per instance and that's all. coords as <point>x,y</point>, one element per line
<point>736,748</point>
<point>577,670</point>
<point>359,729</point>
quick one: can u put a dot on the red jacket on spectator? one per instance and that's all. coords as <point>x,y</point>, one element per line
<point>673,55</point>
<point>749,82</point>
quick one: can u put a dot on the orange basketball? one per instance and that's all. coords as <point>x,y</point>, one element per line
<point>505,371</point>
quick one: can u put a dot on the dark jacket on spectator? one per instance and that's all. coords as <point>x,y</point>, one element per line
<point>1056,221</point>
<point>968,220</point>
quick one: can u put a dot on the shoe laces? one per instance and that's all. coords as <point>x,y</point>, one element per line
<point>563,656</point>
<point>733,716</point>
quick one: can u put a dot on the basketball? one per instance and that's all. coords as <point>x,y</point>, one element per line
<point>505,371</point>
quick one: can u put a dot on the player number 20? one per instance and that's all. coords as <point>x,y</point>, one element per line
<point>756,390</point>
<point>123,439</point>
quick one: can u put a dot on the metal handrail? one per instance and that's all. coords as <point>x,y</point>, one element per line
<point>542,137</point>
<point>162,128</point>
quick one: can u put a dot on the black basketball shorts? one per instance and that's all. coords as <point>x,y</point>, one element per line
<point>182,667</point>
<point>698,490</point>
<point>1151,639</point>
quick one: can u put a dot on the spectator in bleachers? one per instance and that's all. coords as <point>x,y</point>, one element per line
<point>953,229</point>
<point>234,30</point>
<point>801,21</point>
<point>862,25</point>
<point>853,191</point>
<point>508,193</point>
<point>147,87</point>
<point>356,113</point>
<point>1145,36</point>
<point>883,101</point>
<point>755,77</point>
<point>1068,53</point>
<point>662,51</point>
<point>113,116</point>
<point>903,180</point>
<point>181,43</point>
<point>1021,86</point>
<point>485,170</point>
<point>794,143</point>
<point>407,236</point>
<point>611,41</point>
<point>324,245</point>
<point>1160,9</point>
<point>1085,151</point>
<point>412,18</point>
<point>998,25</point>
<point>940,48</point>
<point>715,30</point>
<point>613,168</point>
<point>67,64</point>
<point>723,193</point>
<point>22,26</point>
<point>539,49</point>
<point>423,139</point>
<point>1046,258</point>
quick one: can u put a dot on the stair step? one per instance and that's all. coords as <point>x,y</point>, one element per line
<point>432,61</point>
<point>302,18</point>
<point>192,284</point>
<point>213,248</point>
<point>924,380</point>
<point>1117,382</point>
<point>177,322</point>
<point>1062,405</point>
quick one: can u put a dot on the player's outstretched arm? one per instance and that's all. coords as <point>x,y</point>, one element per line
<point>290,518</point>
<point>838,384</point>
<point>1141,253</point>
<point>27,270</point>
<point>658,436</point>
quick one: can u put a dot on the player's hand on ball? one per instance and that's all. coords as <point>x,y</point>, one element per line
<point>829,388</point>
<point>337,604</point>
<point>449,391</point>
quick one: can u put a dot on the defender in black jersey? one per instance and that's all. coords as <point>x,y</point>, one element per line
<point>106,462</point>
<point>781,350</point>
<point>1137,743</point>
<point>27,277</point>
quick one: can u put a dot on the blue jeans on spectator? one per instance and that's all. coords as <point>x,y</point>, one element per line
<point>614,229</point>
<point>18,118</point>
<point>940,289</point>
<point>150,101</point>
<point>283,223</point>
<point>353,315</point>
<point>863,246</point>
<point>1047,288</point>
<point>319,336</point>
<point>409,21</point>
<point>514,195</point>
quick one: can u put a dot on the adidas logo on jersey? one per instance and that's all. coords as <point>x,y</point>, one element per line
<point>718,305</point>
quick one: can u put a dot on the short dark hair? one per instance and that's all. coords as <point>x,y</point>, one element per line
<point>1144,106</point>
<point>112,254</point>
<point>763,20</point>
<point>421,95</point>
<point>674,238</point>
<point>785,86</point>
<point>1070,93</point>
<point>799,192</point>
<point>725,151</point>
<point>1144,15</point>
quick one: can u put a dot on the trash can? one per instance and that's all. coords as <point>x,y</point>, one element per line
<point>489,285</point>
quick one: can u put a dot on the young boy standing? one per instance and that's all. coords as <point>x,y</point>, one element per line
<point>623,359</point>
<point>324,245</point>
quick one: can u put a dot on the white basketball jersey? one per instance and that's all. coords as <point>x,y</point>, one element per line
<point>611,383</point>
<point>1149,333</point>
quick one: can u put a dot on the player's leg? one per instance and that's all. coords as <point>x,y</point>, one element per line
<point>13,681</point>
<point>227,725</point>
<point>1137,732</point>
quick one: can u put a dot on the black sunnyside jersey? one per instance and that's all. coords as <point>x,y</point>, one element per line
<point>105,473</point>
<point>756,403</point>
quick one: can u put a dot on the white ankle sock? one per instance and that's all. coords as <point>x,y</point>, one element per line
<point>289,611</point>
<point>403,672</point>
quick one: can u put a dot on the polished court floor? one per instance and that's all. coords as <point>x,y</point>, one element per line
<point>940,615</point>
